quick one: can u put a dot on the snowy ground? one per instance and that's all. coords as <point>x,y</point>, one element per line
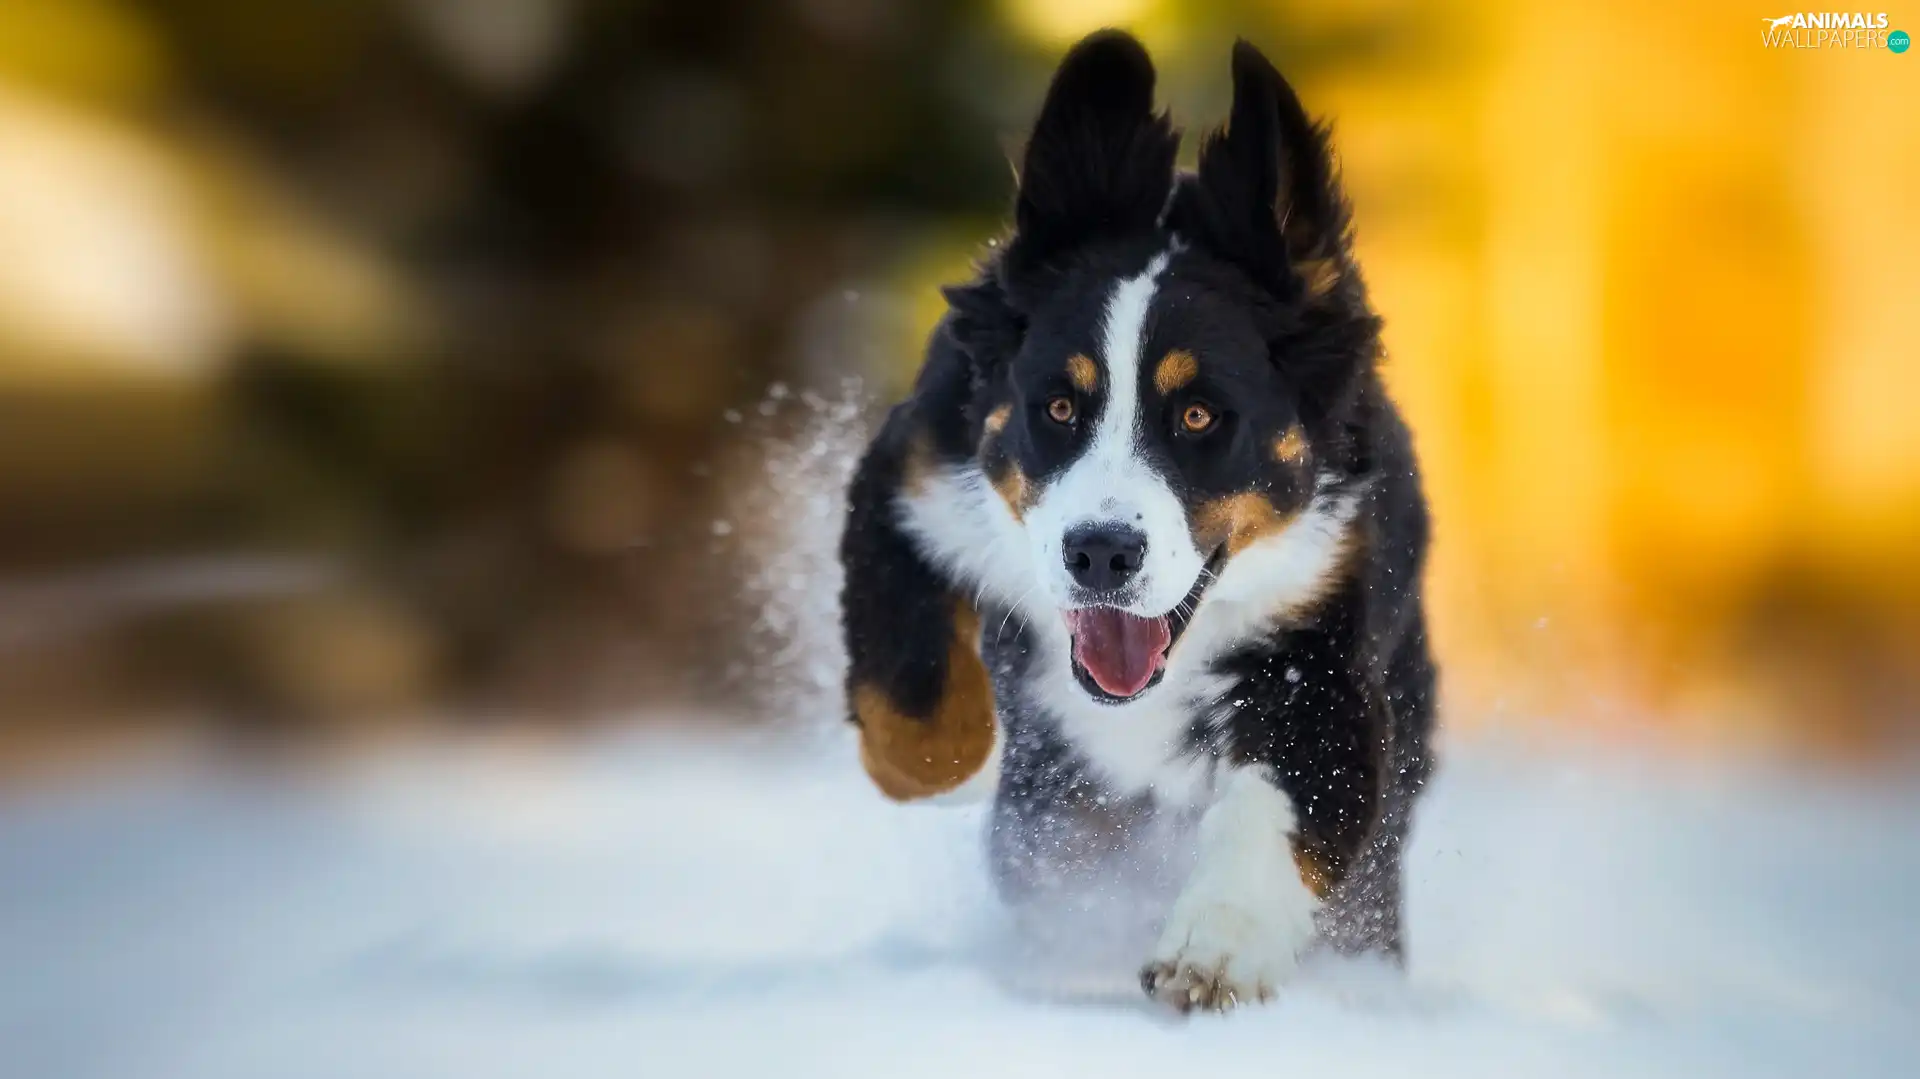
<point>671,908</point>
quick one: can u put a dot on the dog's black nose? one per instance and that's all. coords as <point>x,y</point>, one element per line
<point>1103,557</point>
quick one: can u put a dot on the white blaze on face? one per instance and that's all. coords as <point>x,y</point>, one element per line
<point>1112,482</point>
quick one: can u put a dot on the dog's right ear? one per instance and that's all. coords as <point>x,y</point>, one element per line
<point>1100,161</point>
<point>984,324</point>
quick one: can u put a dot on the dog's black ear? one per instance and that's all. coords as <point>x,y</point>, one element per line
<point>1100,162</point>
<point>984,323</point>
<point>1266,195</point>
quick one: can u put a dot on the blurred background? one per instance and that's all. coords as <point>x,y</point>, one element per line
<point>422,433</point>
<point>375,366</point>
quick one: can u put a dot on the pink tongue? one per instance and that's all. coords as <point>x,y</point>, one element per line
<point>1120,651</point>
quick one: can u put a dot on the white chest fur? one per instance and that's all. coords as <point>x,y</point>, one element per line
<point>1142,745</point>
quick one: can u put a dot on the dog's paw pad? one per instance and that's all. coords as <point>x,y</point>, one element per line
<point>1186,987</point>
<point>1220,959</point>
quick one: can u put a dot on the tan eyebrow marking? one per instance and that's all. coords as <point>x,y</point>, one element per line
<point>1292,446</point>
<point>1176,370</point>
<point>1084,374</point>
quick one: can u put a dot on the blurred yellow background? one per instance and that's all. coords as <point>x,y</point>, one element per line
<point>387,359</point>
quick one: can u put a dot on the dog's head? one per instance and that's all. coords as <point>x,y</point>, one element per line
<point>1164,363</point>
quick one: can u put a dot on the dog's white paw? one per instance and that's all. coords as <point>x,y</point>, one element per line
<point>1238,930</point>
<point>1223,956</point>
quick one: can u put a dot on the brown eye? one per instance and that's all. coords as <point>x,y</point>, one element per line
<point>1196,418</point>
<point>1060,409</point>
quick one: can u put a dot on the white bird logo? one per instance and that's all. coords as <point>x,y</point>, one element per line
<point>1776,22</point>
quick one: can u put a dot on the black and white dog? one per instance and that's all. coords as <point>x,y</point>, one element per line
<point>1146,542</point>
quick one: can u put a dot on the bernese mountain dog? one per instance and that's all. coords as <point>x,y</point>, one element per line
<point>1143,550</point>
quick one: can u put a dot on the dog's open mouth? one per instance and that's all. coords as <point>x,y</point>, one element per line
<point>1118,656</point>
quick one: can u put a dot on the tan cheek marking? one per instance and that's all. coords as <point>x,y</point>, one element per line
<point>1011,484</point>
<point>1003,474</point>
<point>1176,370</point>
<point>1291,448</point>
<point>1237,521</point>
<point>915,757</point>
<point>1083,374</point>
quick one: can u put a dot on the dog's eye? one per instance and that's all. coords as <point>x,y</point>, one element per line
<point>1060,409</point>
<point>1196,418</point>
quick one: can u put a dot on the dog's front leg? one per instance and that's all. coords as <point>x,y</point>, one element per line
<point>1293,812</point>
<point>1245,917</point>
<point>916,686</point>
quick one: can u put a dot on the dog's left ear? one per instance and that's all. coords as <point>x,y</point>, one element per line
<point>1267,197</point>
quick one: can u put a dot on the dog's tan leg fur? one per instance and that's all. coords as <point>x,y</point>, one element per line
<point>912,757</point>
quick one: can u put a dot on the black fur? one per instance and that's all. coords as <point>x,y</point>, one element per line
<point>1100,162</point>
<point>1338,701</point>
<point>897,616</point>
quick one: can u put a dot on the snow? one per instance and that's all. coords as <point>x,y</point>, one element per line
<point>666,905</point>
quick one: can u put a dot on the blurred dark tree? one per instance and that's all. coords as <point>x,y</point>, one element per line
<point>606,223</point>
<point>610,215</point>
